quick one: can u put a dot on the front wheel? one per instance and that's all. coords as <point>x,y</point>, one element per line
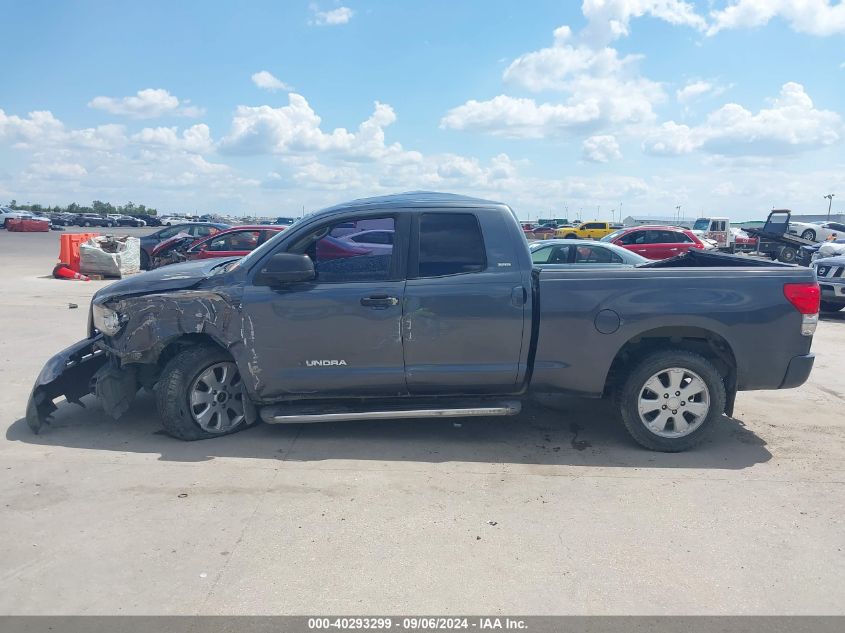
<point>570,236</point>
<point>200,394</point>
<point>671,399</point>
<point>809,234</point>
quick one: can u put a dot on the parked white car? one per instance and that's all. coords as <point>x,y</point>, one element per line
<point>816,231</point>
<point>170,220</point>
<point>10,214</point>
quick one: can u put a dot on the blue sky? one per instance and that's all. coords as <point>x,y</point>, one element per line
<point>554,107</point>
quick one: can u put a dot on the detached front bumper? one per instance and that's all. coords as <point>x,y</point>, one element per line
<point>67,374</point>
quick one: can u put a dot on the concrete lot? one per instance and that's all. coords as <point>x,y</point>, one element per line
<point>555,511</point>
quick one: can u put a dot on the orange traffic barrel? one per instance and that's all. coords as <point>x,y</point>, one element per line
<point>69,248</point>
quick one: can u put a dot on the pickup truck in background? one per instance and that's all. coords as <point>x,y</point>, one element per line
<point>594,230</point>
<point>452,321</point>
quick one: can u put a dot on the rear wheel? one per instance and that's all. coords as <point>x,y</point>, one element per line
<point>570,236</point>
<point>787,254</point>
<point>809,234</point>
<point>200,394</point>
<point>827,306</point>
<point>671,399</point>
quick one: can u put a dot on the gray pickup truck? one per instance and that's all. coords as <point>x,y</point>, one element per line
<point>427,305</point>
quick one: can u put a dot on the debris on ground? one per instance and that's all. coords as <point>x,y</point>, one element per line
<point>72,306</point>
<point>25,225</point>
<point>110,255</point>
<point>63,271</point>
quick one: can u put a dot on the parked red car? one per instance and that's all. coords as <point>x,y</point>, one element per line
<point>233,242</point>
<point>655,242</point>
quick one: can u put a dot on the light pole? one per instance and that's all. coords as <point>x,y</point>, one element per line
<point>829,197</point>
<point>678,218</point>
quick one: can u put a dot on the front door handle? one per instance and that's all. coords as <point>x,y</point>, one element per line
<point>379,301</point>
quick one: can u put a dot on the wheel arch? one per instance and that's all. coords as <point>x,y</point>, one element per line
<point>707,343</point>
<point>181,341</point>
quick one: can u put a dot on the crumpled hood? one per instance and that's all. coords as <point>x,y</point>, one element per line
<point>173,277</point>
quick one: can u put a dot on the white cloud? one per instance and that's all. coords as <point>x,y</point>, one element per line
<point>295,128</point>
<point>146,104</point>
<point>609,19</point>
<point>58,169</point>
<point>601,149</point>
<point>693,90</point>
<point>267,81</point>
<point>38,125</point>
<point>814,17</point>
<point>196,138</point>
<point>551,68</point>
<point>792,124</point>
<point>601,90</point>
<point>41,129</point>
<point>341,15</point>
<point>519,118</point>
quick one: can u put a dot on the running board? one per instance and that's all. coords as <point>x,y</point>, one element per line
<point>293,414</point>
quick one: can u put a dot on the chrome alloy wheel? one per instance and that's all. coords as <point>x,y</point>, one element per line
<point>674,402</point>
<point>216,398</point>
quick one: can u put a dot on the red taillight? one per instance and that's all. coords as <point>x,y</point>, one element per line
<point>805,297</point>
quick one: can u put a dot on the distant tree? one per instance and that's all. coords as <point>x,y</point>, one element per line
<point>13,204</point>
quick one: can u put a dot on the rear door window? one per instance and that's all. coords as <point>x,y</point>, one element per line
<point>635,237</point>
<point>596,255</point>
<point>450,244</point>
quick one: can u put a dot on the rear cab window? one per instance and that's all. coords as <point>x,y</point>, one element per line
<point>450,244</point>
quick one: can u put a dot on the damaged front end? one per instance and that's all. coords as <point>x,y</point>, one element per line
<point>69,373</point>
<point>131,323</point>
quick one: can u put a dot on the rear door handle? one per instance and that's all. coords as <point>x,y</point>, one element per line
<point>379,301</point>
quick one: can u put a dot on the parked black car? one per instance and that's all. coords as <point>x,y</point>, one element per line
<point>151,220</point>
<point>452,321</point>
<point>92,219</point>
<point>197,229</point>
<point>63,219</point>
<point>128,220</point>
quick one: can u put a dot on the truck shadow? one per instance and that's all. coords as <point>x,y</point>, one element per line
<point>556,432</point>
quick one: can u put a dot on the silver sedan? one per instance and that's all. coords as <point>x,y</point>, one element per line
<point>577,253</point>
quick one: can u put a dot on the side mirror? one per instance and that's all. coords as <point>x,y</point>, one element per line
<point>286,268</point>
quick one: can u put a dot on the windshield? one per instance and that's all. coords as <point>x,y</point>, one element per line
<point>701,224</point>
<point>612,236</point>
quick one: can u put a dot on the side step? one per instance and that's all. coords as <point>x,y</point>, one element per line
<point>298,413</point>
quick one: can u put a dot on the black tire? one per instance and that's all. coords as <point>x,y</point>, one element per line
<point>809,234</point>
<point>629,396</point>
<point>172,388</point>
<point>86,224</point>
<point>828,306</point>
<point>145,260</point>
<point>787,255</point>
<point>570,236</point>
